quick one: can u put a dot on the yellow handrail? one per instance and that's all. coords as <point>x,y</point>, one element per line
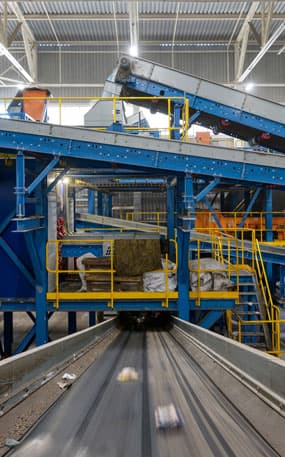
<point>61,101</point>
<point>272,311</point>
<point>56,270</point>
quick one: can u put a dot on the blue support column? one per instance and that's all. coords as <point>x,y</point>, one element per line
<point>107,205</point>
<point>175,134</point>
<point>268,228</point>
<point>92,318</point>
<point>91,201</point>
<point>186,223</point>
<point>183,273</point>
<point>72,322</point>
<point>20,185</point>
<point>8,333</point>
<point>170,219</point>
<point>40,240</point>
<point>99,204</point>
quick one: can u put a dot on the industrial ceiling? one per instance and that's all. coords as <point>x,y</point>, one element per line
<point>120,26</point>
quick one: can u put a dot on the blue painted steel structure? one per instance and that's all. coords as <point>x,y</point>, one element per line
<point>177,161</point>
<point>221,108</point>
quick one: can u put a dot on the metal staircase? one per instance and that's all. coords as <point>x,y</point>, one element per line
<point>255,319</point>
<point>250,309</point>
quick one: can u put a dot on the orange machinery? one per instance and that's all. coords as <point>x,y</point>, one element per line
<point>30,103</point>
<point>256,221</point>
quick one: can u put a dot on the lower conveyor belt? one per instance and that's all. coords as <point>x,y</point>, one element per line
<point>100,416</point>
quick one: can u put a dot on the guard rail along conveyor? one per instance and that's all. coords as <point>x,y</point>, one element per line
<point>230,398</point>
<point>211,105</point>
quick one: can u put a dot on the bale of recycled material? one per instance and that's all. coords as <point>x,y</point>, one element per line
<point>135,257</point>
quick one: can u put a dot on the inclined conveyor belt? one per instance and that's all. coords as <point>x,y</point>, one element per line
<point>101,417</point>
<point>143,152</point>
<point>211,105</point>
<point>121,223</point>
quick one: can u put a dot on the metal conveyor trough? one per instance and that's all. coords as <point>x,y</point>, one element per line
<point>224,413</point>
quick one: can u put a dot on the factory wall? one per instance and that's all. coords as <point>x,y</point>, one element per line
<point>90,68</point>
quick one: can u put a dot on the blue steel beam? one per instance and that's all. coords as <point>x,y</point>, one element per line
<point>142,152</point>
<point>27,340</point>
<point>210,318</point>
<point>212,211</point>
<point>207,189</point>
<point>119,305</point>
<point>42,175</point>
<point>250,206</point>
<point>19,264</point>
<point>20,184</point>
<point>194,117</point>
<point>56,180</point>
<point>7,221</point>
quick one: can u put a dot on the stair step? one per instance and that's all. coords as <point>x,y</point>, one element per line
<point>252,334</point>
<point>248,292</point>
<point>248,303</point>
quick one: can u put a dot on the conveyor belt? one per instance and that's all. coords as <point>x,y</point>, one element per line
<point>220,108</point>
<point>121,223</point>
<point>146,153</point>
<point>99,416</point>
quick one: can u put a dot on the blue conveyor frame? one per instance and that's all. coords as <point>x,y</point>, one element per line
<point>176,159</point>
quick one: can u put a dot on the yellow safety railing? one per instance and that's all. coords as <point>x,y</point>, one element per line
<point>276,344</point>
<point>220,250</point>
<point>272,311</point>
<point>62,102</point>
<point>54,247</point>
<point>58,271</point>
<point>246,252</point>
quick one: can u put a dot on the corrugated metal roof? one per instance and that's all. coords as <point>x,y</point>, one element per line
<point>79,7</point>
<point>74,30</point>
<point>161,29</point>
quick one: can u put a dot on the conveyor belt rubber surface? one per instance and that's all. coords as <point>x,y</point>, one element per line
<point>100,416</point>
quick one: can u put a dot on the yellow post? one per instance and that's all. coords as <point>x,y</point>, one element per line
<point>166,281</point>
<point>56,274</point>
<point>198,302</point>
<point>169,117</point>
<point>186,119</point>
<point>112,273</point>
<point>114,110</point>
<point>60,113</point>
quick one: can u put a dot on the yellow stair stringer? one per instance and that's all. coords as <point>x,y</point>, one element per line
<point>269,312</point>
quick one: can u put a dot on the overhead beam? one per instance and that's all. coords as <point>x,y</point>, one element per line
<point>4,51</point>
<point>262,52</point>
<point>28,38</point>
<point>267,22</point>
<point>242,39</point>
<point>134,27</point>
<point>146,17</point>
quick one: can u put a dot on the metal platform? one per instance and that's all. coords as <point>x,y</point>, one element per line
<point>212,105</point>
